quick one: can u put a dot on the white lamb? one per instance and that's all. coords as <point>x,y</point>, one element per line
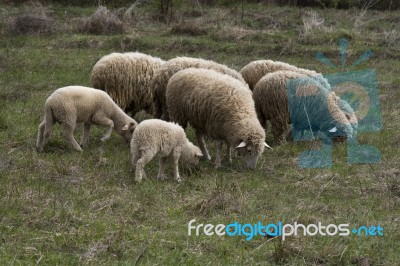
<point>157,137</point>
<point>76,104</point>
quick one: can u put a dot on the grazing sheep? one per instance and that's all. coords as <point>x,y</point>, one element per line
<point>313,106</point>
<point>218,106</point>
<point>126,77</point>
<point>162,76</point>
<point>76,104</point>
<point>152,137</point>
<point>255,70</point>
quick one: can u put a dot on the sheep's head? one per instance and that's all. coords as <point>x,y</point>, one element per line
<point>191,153</point>
<point>127,131</point>
<point>250,152</point>
<point>343,121</point>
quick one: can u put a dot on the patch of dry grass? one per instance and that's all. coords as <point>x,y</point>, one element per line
<point>103,21</point>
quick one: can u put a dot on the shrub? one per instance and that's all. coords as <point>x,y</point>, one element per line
<point>31,24</point>
<point>103,22</point>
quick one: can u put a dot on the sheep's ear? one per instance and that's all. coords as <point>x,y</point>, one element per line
<point>198,154</point>
<point>132,126</point>
<point>126,127</point>
<point>241,145</point>
<point>266,145</point>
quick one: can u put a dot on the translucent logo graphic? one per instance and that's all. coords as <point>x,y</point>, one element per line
<point>338,105</point>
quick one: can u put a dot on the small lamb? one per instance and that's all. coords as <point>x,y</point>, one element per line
<point>167,139</point>
<point>76,104</point>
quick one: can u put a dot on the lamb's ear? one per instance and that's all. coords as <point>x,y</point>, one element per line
<point>126,127</point>
<point>266,145</point>
<point>241,145</point>
<point>198,154</point>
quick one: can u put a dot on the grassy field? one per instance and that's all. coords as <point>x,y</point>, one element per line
<point>64,207</point>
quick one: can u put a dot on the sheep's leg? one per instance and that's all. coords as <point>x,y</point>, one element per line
<point>202,144</point>
<point>161,168</point>
<point>278,130</point>
<point>140,164</point>
<point>86,130</point>
<point>40,139</point>
<point>104,121</point>
<point>68,132</point>
<point>176,154</point>
<point>218,155</point>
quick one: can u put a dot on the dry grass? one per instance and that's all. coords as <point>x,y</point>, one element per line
<point>103,22</point>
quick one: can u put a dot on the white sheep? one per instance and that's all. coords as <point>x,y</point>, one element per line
<point>164,73</point>
<point>126,77</point>
<point>255,70</point>
<point>76,104</point>
<point>312,106</point>
<point>157,137</point>
<point>218,106</point>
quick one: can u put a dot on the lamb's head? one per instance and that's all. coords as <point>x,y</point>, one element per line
<point>127,130</point>
<point>191,153</point>
<point>251,147</point>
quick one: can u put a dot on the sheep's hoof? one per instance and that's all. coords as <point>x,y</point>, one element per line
<point>178,179</point>
<point>104,139</point>
<point>138,180</point>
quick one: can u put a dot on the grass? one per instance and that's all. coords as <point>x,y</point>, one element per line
<point>63,207</point>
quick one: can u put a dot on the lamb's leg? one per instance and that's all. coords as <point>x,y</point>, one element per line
<point>86,130</point>
<point>68,132</point>
<point>140,164</point>
<point>176,154</point>
<point>218,155</point>
<point>40,139</point>
<point>161,168</point>
<point>202,145</point>
<point>105,121</point>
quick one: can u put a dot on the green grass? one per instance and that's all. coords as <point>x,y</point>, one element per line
<point>64,207</point>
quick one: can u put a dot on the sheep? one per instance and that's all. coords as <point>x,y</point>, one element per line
<point>313,106</point>
<point>163,74</point>
<point>76,104</point>
<point>255,70</point>
<point>218,106</point>
<point>154,136</point>
<point>126,77</point>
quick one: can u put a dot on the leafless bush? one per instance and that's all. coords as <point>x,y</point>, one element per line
<point>311,20</point>
<point>31,24</point>
<point>103,22</point>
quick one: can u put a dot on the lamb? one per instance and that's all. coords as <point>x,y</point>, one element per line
<point>126,78</point>
<point>312,105</point>
<point>255,70</point>
<point>163,74</point>
<point>77,104</point>
<point>218,106</point>
<point>154,136</point>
